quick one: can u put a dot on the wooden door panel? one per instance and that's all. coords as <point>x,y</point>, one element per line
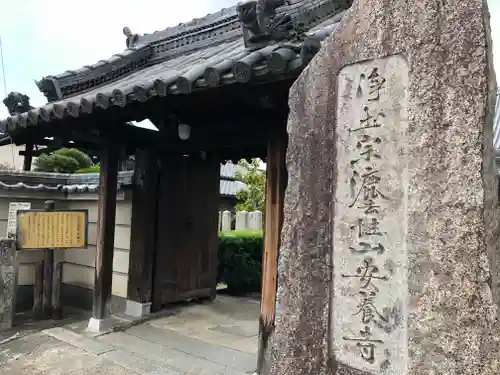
<point>186,249</point>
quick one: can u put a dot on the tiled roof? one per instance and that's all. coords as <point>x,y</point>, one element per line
<point>228,170</point>
<point>204,53</point>
<point>230,188</point>
<point>89,182</point>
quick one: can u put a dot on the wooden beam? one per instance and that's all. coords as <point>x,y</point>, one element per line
<point>84,147</point>
<point>28,157</point>
<point>275,193</point>
<point>57,291</point>
<point>105,231</point>
<point>38,291</point>
<point>143,227</point>
<point>204,206</point>
<point>38,152</point>
<point>201,140</point>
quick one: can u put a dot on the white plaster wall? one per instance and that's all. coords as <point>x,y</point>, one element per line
<point>79,264</point>
<point>10,158</point>
<point>79,267</point>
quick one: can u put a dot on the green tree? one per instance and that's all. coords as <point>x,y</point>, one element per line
<point>253,197</point>
<point>65,160</point>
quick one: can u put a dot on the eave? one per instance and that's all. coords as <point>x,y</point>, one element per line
<point>222,62</point>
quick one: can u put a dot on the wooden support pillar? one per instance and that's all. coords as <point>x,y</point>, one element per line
<point>205,206</point>
<point>28,157</point>
<point>48,273</point>
<point>57,291</point>
<point>105,234</point>
<point>276,182</point>
<point>38,291</point>
<point>143,233</point>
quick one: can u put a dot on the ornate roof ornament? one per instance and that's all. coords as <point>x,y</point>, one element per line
<point>261,23</point>
<point>131,38</point>
<point>17,103</point>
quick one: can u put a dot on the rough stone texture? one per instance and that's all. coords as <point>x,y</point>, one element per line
<point>452,212</point>
<point>8,283</point>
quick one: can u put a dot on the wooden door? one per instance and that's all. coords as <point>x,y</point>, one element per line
<point>186,247</point>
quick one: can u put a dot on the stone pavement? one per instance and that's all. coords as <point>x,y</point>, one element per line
<point>206,339</point>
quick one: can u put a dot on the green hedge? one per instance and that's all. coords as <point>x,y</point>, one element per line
<point>240,261</point>
<point>92,169</point>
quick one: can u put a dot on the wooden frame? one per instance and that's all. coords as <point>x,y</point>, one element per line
<point>24,212</point>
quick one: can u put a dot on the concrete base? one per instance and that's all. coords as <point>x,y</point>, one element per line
<point>110,324</point>
<point>100,326</point>
<point>137,309</point>
<point>95,325</point>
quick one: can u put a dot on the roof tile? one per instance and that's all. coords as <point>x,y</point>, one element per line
<point>89,182</point>
<point>169,62</point>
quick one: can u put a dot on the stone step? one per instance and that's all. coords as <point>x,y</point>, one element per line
<point>140,365</point>
<point>183,362</point>
<point>226,357</point>
<point>85,343</point>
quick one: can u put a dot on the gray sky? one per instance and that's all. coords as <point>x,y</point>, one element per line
<point>42,37</point>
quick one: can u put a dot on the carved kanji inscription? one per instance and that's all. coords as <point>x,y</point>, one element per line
<point>370,258</point>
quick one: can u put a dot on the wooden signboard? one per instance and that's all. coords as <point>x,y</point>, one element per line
<point>37,229</point>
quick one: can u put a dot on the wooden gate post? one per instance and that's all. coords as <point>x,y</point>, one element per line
<point>108,179</point>
<point>276,182</point>
<point>38,291</point>
<point>48,273</point>
<point>56,291</point>
<point>143,234</point>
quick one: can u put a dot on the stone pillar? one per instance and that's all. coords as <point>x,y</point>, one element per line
<point>389,254</point>
<point>255,220</point>
<point>250,220</point>
<point>241,220</point>
<point>226,220</point>
<point>8,283</point>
